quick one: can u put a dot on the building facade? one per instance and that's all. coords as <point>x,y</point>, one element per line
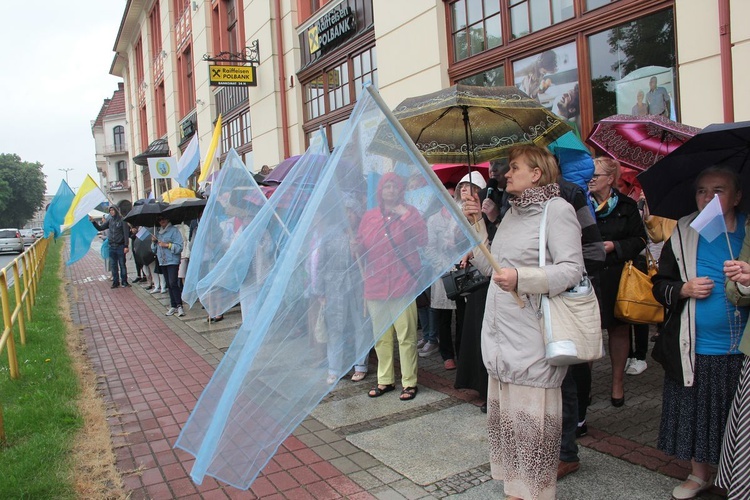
<point>111,148</point>
<point>583,59</point>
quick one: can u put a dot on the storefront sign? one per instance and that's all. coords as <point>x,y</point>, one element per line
<point>232,76</point>
<point>331,29</point>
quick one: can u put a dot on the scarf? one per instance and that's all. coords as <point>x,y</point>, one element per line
<point>537,194</point>
<point>606,207</point>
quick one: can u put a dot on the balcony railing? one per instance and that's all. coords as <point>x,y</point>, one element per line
<point>111,149</point>
<point>119,185</point>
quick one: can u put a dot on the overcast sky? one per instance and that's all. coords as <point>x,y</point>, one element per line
<point>54,77</point>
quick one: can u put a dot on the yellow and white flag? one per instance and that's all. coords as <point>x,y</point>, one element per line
<point>213,152</point>
<point>89,195</point>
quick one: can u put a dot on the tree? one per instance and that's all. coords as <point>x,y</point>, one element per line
<point>22,188</point>
<point>646,42</point>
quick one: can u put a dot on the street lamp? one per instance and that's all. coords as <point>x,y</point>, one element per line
<point>66,170</point>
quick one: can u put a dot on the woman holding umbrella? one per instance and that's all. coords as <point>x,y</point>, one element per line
<point>624,236</point>
<point>167,245</point>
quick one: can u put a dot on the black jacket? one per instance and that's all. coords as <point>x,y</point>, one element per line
<point>118,233</point>
<point>624,227</point>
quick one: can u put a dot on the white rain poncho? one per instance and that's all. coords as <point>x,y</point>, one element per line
<point>242,271</point>
<point>234,201</point>
<point>345,274</point>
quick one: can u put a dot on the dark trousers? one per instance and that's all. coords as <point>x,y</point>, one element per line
<point>173,284</point>
<point>117,258</point>
<point>442,318</point>
<point>568,446</point>
<point>639,342</point>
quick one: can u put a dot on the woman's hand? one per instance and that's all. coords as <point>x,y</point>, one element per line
<point>163,244</point>
<point>490,209</point>
<point>507,278</point>
<point>465,260</point>
<point>697,288</point>
<point>400,210</point>
<point>738,271</point>
<point>154,239</point>
<point>472,209</point>
<point>609,246</point>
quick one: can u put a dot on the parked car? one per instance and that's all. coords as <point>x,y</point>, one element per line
<point>38,232</point>
<point>11,241</point>
<point>28,237</point>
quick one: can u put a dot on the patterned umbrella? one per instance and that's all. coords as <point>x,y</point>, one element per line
<point>639,141</point>
<point>476,124</point>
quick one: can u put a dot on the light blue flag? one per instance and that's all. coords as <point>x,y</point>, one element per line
<point>240,274</point>
<point>57,209</point>
<point>342,279</point>
<point>710,222</point>
<point>234,201</point>
<point>188,161</point>
<point>82,234</point>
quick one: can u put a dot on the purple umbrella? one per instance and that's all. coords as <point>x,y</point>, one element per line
<point>279,172</point>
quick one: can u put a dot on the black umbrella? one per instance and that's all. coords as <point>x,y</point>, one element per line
<point>669,183</point>
<point>184,210</point>
<point>142,250</point>
<point>146,214</point>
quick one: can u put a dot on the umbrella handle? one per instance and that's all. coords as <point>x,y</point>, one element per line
<point>497,268</point>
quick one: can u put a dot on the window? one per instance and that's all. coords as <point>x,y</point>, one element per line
<point>227,33</point>
<point>314,97</point>
<point>138,49</point>
<point>475,27</point>
<point>142,125</point>
<point>364,68</point>
<point>161,110</point>
<point>236,133</point>
<point>624,60</point>
<point>154,20</point>
<point>595,4</point>
<point>528,16</point>
<point>118,134</point>
<point>122,171</point>
<point>186,86</point>
<point>338,87</point>
<point>494,77</point>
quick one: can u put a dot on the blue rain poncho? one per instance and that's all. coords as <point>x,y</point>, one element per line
<point>313,317</point>
<point>234,201</point>
<point>242,271</point>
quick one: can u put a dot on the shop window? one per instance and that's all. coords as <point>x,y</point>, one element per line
<point>475,27</point>
<point>632,59</point>
<point>595,4</point>
<point>528,16</point>
<point>236,132</point>
<point>494,77</point>
<point>551,77</point>
<point>364,68</point>
<point>338,87</point>
<point>315,98</point>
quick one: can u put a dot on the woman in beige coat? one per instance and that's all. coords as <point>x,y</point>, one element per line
<point>524,400</point>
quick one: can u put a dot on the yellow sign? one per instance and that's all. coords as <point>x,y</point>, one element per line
<point>232,76</point>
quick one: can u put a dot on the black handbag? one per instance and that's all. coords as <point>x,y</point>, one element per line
<point>461,282</point>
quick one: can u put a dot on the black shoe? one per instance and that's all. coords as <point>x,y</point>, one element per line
<point>618,402</point>
<point>483,408</point>
<point>137,280</point>
<point>582,430</point>
<point>125,285</point>
<point>115,285</point>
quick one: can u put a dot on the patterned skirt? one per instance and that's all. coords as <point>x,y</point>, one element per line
<point>693,418</point>
<point>524,426</point>
<point>734,465</point>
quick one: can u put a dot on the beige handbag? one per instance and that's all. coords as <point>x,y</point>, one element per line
<point>570,321</point>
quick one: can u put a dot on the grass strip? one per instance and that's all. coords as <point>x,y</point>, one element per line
<point>41,413</point>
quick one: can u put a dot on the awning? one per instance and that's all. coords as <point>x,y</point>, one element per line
<point>158,148</point>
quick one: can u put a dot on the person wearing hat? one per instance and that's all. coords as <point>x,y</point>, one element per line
<point>118,235</point>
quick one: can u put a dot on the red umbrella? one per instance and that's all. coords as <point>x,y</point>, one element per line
<point>639,141</point>
<point>453,173</point>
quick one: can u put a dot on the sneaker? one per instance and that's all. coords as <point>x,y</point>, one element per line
<point>428,348</point>
<point>627,363</point>
<point>125,285</point>
<point>170,311</point>
<point>582,429</point>
<point>180,311</point>
<point>163,290</point>
<point>421,343</point>
<point>155,290</point>
<point>636,367</point>
<point>449,364</point>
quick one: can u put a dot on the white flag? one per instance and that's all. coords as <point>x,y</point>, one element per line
<point>163,168</point>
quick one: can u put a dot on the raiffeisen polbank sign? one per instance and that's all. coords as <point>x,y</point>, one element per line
<point>331,29</point>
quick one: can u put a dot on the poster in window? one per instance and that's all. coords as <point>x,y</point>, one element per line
<point>646,91</point>
<point>551,77</point>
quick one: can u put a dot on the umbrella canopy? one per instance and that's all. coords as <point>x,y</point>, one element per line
<point>451,173</point>
<point>476,124</point>
<point>639,141</point>
<point>184,209</point>
<point>145,215</point>
<point>281,170</point>
<point>177,194</point>
<point>668,185</point>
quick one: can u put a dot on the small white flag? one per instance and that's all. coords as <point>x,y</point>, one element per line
<point>162,168</point>
<point>710,222</point>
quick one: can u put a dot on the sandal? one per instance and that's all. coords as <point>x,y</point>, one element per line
<point>408,393</point>
<point>358,376</point>
<point>378,391</point>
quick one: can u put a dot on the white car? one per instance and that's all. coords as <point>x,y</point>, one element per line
<point>10,240</point>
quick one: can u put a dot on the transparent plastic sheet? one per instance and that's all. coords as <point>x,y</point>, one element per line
<point>234,202</point>
<point>344,276</point>
<point>249,262</point>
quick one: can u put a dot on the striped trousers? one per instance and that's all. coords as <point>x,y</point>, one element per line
<point>734,463</point>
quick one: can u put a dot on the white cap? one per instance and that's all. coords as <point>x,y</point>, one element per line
<point>476,179</point>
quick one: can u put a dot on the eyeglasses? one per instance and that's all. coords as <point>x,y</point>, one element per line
<point>596,176</point>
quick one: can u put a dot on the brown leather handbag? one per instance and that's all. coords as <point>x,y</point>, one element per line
<point>635,301</point>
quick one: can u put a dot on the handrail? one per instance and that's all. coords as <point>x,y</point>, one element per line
<point>27,270</point>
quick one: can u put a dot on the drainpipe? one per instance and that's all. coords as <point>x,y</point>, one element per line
<point>282,80</point>
<point>725,53</point>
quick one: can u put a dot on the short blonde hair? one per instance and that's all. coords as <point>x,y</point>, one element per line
<point>539,158</point>
<point>610,167</point>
